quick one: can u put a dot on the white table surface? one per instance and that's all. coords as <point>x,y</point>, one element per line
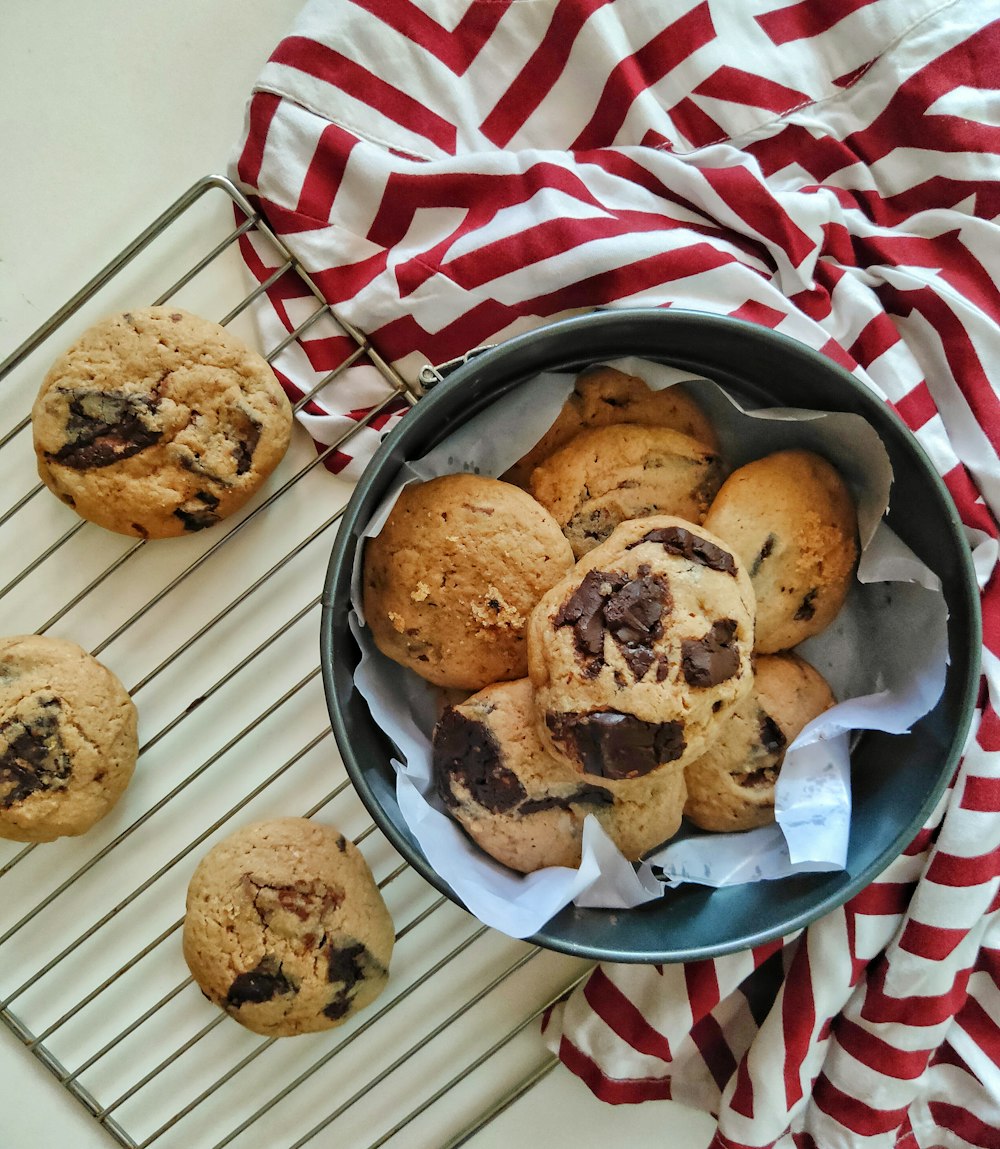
<point>111,109</point>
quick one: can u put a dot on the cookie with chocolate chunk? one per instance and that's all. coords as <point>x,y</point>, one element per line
<point>791,518</point>
<point>526,808</point>
<point>640,653</point>
<point>286,929</point>
<point>607,475</point>
<point>731,787</point>
<point>450,580</point>
<point>68,742</point>
<point>157,423</point>
<point>602,396</point>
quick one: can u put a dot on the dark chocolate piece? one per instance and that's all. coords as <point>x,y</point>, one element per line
<point>584,610</point>
<point>264,982</point>
<point>610,744</point>
<point>632,615</point>
<point>630,610</point>
<point>713,658</point>
<point>585,795</point>
<point>807,607</point>
<point>34,759</point>
<point>198,512</point>
<point>347,966</point>
<point>754,779</point>
<point>771,737</point>
<point>466,751</point>
<point>765,552</point>
<point>245,431</point>
<point>104,427</point>
<point>680,541</point>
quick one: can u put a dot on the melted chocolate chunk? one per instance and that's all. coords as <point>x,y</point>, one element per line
<point>771,737</point>
<point>584,611</point>
<point>629,609</point>
<point>34,759</point>
<point>104,427</point>
<point>610,744</point>
<point>765,552</point>
<point>713,658</point>
<point>585,795</point>
<point>807,607</point>
<point>466,751</point>
<point>680,541</point>
<point>346,967</point>
<point>345,964</point>
<point>198,512</point>
<point>633,614</point>
<point>766,776</point>
<point>264,982</point>
<point>245,430</point>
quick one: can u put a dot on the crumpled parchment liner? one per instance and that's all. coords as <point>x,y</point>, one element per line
<point>885,657</point>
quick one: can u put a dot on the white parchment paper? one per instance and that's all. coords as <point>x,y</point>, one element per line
<point>885,657</point>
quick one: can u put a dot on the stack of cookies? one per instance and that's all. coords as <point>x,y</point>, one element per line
<point>612,623</point>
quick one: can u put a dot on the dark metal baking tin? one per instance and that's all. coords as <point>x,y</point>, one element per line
<point>897,779</point>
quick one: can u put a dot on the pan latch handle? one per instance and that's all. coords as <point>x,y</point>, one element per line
<point>430,374</point>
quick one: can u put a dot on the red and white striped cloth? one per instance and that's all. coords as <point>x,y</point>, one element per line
<point>451,172</point>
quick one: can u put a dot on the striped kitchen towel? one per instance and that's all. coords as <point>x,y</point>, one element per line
<point>452,172</point>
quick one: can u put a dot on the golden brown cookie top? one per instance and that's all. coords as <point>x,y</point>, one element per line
<point>604,395</point>
<point>285,928</point>
<point>791,518</point>
<point>68,741</point>
<point>452,577</point>
<point>157,422</point>
<point>606,475</point>
<point>640,652</point>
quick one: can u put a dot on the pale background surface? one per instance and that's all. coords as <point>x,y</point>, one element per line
<point>110,110</point>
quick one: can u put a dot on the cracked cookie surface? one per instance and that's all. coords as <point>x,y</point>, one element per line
<point>452,577</point>
<point>285,928</point>
<point>158,423</point>
<point>638,654</point>
<point>68,741</point>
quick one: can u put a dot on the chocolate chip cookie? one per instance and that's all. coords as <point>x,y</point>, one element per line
<point>68,742</point>
<point>526,808</point>
<point>157,423</point>
<point>285,928</point>
<point>639,654</point>
<point>602,396</point>
<point>452,577</point>
<point>604,476</point>
<point>791,519</point>
<point>731,787</point>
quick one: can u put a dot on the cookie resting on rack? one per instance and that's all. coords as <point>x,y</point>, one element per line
<point>604,395</point>
<point>640,653</point>
<point>791,518</point>
<point>157,423</point>
<point>610,474</point>
<point>450,580</point>
<point>285,928</point>
<point>731,787</point>
<point>68,741</point>
<point>526,808</point>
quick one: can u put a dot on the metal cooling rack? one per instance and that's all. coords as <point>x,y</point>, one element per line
<point>215,636</point>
